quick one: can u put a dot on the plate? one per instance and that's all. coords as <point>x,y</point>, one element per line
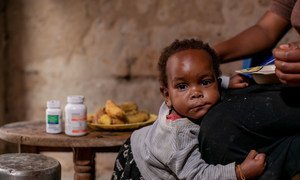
<point>262,74</point>
<point>122,127</point>
<point>268,69</point>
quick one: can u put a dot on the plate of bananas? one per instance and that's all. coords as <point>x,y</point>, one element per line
<point>120,117</point>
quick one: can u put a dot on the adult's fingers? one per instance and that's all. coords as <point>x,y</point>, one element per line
<point>289,55</point>
<point>292,45</point>
<point>290,79</point>
<point>288,67</point>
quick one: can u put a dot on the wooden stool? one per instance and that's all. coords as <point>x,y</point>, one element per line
<point>28,166</point>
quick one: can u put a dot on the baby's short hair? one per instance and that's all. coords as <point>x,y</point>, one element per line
<point>182,45</point>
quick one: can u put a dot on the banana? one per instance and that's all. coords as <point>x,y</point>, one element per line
<point>129,106</point>
<point>125,113</point>
<point>90,118</point>
<point>141,116</point>
<point>113,110</point>
<point>117,121</point>
<point>105,119</point>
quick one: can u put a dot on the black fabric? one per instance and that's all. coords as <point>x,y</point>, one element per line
<point>261,117</point>
<point>125,167</point>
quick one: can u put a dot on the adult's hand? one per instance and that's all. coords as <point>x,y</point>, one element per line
<point>287,62</point>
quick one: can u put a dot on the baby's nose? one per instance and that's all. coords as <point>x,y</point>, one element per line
<point>197,94</point>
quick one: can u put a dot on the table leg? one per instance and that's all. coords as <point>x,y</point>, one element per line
<point>84,163</point>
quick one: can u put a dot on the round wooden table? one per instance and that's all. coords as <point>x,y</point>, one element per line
<point>31,137</point>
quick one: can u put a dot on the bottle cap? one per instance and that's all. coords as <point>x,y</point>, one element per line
<point>53,104</point>
<point>75,99</point>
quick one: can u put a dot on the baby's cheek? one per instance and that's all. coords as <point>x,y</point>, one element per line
<point>213,96</point>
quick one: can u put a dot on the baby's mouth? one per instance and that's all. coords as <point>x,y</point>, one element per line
<point>199,107</point>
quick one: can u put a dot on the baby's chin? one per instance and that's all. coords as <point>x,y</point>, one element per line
<point>197,117</point>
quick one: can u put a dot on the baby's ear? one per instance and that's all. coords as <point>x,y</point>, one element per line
<point>165,93</point>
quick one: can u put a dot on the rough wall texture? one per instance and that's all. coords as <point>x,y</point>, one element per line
<point>2,61</point>
<point>2,68</point>
<point>103,49</point>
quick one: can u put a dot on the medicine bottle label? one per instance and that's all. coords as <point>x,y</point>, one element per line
<point>76,123</point>
<point>53,119</point>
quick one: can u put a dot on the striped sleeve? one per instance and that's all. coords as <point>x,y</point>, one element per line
<point>186,161</point>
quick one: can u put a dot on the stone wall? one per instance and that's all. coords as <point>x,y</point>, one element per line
<point>102,49</point>
<point>2,73</point>
<point>2,68</point>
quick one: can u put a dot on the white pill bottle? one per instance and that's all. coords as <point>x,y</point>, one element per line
<point>53,117</point>
<point>75,116</point>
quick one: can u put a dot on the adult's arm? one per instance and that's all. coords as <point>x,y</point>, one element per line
<point>263,35</point>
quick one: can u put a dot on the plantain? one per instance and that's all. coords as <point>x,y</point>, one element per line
<point>105,119</point>
<point>140,116</point>
<point>117,121</point>
<point>129,106</point>
<point>90,118</point>
<point>99,113</point>
<point>119,114</point>
<point>114,110</point>
<point>133,112</point>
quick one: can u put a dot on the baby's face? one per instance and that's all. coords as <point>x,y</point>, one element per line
<point>192,85</point>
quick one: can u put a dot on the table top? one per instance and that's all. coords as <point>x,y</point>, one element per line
<point>34,133</point>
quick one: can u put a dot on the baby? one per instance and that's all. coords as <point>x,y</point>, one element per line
<point>168,149</point>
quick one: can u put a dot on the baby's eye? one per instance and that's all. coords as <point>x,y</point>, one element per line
<point>206,82</point>
<point>182,86</point>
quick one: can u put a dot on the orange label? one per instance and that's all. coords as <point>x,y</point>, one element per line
<point>78,131</point>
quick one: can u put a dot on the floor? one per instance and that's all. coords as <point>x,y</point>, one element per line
<point>104,164</point>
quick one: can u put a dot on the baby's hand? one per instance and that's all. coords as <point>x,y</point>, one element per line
<point>252,166</point>
<point>238,81</point>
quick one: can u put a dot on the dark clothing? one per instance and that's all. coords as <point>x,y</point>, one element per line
<point>125,166</point>
<point>261,117</point>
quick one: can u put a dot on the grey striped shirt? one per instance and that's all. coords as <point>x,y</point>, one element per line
<point>169,150</point>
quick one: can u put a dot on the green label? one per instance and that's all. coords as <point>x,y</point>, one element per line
<point>53,119</point>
